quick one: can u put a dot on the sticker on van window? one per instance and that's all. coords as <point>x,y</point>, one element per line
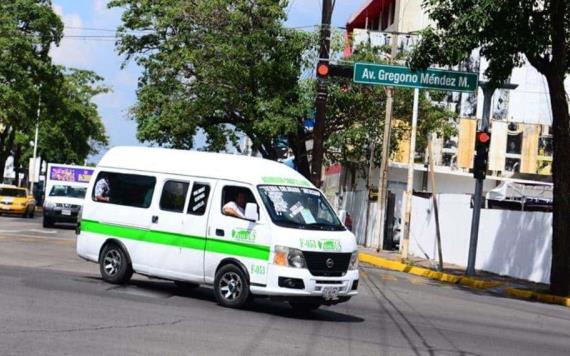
<point>307,216</point>
<point>244,235</point>
<point>324,245</point>
<point>295,209</point>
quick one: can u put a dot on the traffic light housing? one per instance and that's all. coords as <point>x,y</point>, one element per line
<point>482,144</point>
<point>325,70</point>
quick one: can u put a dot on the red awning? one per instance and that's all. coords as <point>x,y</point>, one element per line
<point>370,9</point>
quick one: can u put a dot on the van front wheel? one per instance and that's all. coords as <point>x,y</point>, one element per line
<point>114,265</point>
<point>231,287</point>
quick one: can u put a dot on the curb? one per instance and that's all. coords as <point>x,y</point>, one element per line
<point>428,273</point>
<point>471,282</point>
<point>540,297</point>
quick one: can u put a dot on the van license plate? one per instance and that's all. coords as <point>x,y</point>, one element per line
<point>330,293</point>
<point>66,212</point>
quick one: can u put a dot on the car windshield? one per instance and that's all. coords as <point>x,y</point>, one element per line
<point>11,192</point>
<point>301,208</point>
<point>67,191</point>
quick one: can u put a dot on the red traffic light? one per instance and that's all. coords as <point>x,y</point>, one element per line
<point>323,69</point>
<point>483,137</point>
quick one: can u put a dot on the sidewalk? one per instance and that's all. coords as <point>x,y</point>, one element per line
<point>502,285</point>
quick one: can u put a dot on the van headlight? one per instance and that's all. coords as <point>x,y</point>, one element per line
<point>289,257</point>
<point>353,261</point>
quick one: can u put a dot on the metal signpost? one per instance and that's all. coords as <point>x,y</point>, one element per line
<point>400,76</point>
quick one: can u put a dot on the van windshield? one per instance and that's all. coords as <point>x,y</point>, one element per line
<point>67,191</point>
<point>300,208</point>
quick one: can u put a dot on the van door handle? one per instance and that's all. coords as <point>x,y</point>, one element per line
<point>219,232</point>
<point>154,219</point>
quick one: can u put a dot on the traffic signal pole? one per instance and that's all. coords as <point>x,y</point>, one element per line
<point>488,91</point>
<point>321,101</point>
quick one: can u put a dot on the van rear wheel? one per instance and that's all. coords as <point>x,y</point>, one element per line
<point>114,265</point>
<point>231,287</point>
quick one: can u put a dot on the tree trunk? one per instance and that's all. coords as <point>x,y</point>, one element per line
<point>8,137</point>
<point>560,270</point>
<point>17,155</point>
<point>298,144</point>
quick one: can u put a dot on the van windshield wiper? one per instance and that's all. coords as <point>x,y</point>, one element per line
<point>286,223</point>
<point>324,226</point>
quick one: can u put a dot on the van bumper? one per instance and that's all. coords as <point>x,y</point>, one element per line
<point>328,289</point>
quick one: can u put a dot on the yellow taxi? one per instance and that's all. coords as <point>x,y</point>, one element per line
<point>16,200</point>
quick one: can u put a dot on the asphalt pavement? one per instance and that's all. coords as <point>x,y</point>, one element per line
<point>53,303</point>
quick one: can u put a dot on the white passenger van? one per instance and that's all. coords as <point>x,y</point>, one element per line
<point>168,214</point>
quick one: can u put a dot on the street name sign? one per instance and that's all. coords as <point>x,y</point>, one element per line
<point>400,76</point>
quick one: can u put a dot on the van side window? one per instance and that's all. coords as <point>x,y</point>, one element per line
<point>124,189</point>
<point>199,199</point>
<point>173,196</point>
<point>234,200</point>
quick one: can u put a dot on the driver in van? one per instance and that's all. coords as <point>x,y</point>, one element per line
<point>236,208</point>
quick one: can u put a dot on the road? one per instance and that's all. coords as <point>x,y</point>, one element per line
<point>53,303</point>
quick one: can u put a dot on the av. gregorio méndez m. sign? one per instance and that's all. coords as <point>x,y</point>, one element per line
<point>399,76</point>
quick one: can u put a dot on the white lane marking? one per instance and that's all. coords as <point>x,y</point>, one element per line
<point>44,231</point>
<point>28,230</point>
<point>12,234</point>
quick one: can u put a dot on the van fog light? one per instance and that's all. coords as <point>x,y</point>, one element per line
<point>292,283</point>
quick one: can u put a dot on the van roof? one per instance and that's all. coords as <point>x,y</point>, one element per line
<point>252,170</point>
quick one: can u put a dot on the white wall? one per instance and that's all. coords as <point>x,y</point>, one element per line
<point>512,243</point>
<point>355,203</point>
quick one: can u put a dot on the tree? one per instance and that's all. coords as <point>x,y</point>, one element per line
<point>509,32</point>
<point>70,127</point>
<point>217,65</point>
<point>28,28</point>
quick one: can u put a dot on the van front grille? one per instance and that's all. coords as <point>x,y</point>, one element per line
<point>327,264</point>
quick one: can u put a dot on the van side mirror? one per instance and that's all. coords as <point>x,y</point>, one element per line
<point>251,212</point>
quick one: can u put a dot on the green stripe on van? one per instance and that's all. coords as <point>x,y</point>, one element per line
<point>259,252</point>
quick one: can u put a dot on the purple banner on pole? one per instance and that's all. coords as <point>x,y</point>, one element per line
<point>68,174</point>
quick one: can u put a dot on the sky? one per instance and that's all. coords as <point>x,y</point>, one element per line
<point>84,19</point>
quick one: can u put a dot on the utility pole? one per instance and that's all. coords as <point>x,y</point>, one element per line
<point>378,242</point>
<point>410,185</point>
<point>321,101</point>
<point>488,91</point>
<point>33,175</point>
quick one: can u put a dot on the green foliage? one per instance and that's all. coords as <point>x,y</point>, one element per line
<point>27,30</point>
<point>214,65</point>
<point>506,32</point>
<point>70,126</point>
